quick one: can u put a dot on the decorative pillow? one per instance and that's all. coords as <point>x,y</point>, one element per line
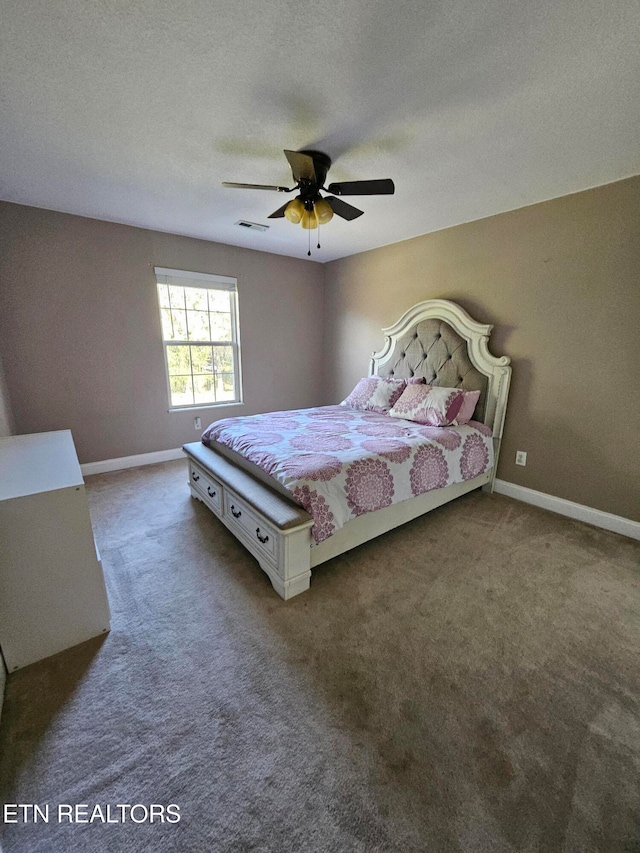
<point>375,394</point>
<point>429,404</point>
<point>468,407</point>
<point>415,380</point>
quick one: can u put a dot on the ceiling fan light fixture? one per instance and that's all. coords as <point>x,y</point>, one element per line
<point>294,211</point>
<point>309,220</point>
<point>323,211</point>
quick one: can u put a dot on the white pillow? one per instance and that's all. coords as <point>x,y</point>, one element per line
<point>375,394</point>
<point>429,404</point>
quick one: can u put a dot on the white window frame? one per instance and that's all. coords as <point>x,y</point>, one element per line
<point>184,278</point>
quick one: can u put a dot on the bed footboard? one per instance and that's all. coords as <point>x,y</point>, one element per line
<point>274,530</point>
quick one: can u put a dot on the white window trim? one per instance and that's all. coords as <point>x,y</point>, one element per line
<point>162,272</point>
<point>165,275</point>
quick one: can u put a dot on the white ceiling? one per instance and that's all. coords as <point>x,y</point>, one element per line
<point>135,112</point>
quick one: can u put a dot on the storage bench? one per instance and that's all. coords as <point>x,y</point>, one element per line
<point>274,530</point>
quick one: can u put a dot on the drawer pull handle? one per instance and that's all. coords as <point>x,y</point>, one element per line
<point>236,513</point>
<point>211,492</point>
<point>262,539</point>
<point>195,476</point>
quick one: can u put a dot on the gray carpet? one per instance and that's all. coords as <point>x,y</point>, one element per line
<point>469,682</point>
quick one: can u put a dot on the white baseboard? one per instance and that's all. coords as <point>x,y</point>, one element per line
<point>598,518</point>
<point>132,461</point>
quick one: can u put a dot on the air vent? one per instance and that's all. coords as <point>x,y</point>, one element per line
<point>255,226</point>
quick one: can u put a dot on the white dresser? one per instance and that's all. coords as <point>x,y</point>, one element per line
<point>52,591</point>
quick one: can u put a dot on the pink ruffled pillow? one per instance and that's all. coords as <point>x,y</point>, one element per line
<point>468,407</point>
<point>375,394</point>
<point>429,404</point>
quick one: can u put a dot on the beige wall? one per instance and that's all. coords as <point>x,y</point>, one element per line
<point>561,283</point>
<point>81,340</point>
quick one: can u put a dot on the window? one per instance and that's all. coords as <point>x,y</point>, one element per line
<point>199,314</point>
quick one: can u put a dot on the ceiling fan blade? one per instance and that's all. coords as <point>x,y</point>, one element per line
<point>301,166</point>
<point>255,187</point>
<point>279,212</point>
<point>384,186</point>
<point>346,211</point>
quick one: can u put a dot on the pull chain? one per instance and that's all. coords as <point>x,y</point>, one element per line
<point>318,233</point>
<point>309,233</point>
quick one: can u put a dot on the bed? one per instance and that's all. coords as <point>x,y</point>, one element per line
<point>298,488</point>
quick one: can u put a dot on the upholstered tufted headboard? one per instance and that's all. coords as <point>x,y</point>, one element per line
<point>433,349</point>
<point>438,340</point>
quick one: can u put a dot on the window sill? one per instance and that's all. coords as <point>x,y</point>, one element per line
<point>206,406</point>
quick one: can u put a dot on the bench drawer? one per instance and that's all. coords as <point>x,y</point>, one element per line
<point>207,485</point>
<point>261,536</point>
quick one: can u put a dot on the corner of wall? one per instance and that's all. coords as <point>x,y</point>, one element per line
<point>7,423</point>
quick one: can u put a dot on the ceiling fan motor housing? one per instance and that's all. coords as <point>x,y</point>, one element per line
<point>321,165</point>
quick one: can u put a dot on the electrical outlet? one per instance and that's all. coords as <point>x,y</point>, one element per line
<point>521,457</point>
<point>197,423</point>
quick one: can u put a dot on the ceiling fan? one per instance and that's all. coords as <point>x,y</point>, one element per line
<point>309,208</point>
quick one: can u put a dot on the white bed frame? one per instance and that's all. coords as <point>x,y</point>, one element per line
<point>277,532</point>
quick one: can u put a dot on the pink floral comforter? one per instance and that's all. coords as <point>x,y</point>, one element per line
<point>339,463</point>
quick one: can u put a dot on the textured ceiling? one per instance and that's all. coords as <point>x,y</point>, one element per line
<point>135,112</point>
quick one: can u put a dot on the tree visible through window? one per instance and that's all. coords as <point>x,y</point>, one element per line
<point>200,334</point>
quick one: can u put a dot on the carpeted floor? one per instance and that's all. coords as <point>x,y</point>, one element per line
<point>469,682</point>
